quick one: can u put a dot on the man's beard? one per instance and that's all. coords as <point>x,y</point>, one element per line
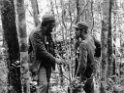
<point>77,36</point>
<point>48,32</point>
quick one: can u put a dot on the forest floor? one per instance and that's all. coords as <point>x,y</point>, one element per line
<point>60,82</point>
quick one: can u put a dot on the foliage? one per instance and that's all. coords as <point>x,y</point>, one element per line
<point>114,85</point>
<point>3,71</point>
<point>66,13</point>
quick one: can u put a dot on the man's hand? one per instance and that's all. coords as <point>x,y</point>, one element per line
<point>61,61</point>
<point>58,61</point>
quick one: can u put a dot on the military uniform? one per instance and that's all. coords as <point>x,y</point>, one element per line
<point>43,50</point>
<point>86,63</point>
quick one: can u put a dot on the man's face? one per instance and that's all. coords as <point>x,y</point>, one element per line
<point>80,33</point>
<point>77,33</point>
<point>49,27</point>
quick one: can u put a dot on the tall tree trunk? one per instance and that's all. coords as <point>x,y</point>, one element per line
<point>21,29</point>
<point>78,10</point>
<point>106,42</point>
<point>84,12</point>
<point>10,36</point>
<point>109,71</point>
<point>35,11</point>
<point>114,40</point>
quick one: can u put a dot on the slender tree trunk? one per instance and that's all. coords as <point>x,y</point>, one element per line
<point>35,11</point>
<point>10,37</point>
<point>78,10</point>
<point>106,42</point>
<point>110,42</point>
<point>84,12</point>
<point>21,29</point>
<point>88,14</point>
<point>114,40</point>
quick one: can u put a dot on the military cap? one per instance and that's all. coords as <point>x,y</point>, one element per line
<point>48,18</point>
<point>81,25</point>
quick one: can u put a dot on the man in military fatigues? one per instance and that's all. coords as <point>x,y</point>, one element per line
<point>86,60</point>
<point>42,46</point>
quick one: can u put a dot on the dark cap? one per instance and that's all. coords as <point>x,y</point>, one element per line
<point>81,25</point>
<point>48,18</point>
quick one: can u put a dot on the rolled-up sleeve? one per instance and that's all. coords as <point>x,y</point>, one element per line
<point>83,58</point>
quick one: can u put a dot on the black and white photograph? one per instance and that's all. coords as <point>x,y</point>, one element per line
<point>61,46</point>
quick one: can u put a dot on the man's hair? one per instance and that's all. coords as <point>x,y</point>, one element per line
<point>47,19</point>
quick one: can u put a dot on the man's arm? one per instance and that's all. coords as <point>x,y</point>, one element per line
<point>40,49</point>
<point>29,46</point>
<point>98,48</point>
<point>82,58</point>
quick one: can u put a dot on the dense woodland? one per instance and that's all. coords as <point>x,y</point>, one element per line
<point>105,19</point>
